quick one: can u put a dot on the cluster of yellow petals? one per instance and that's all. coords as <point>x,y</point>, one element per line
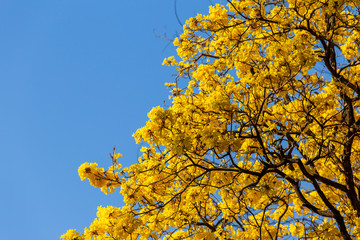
<point>107,180</point>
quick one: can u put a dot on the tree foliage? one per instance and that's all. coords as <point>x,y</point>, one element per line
<point>261,140</point>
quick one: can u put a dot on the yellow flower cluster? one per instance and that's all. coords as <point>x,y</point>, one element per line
<point>107,180</point>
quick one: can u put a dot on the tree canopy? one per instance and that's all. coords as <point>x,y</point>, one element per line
<point>261,139</point>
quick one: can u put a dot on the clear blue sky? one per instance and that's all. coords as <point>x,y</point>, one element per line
<point>77,77</point>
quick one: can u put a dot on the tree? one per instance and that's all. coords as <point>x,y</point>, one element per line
<point>261,140</point>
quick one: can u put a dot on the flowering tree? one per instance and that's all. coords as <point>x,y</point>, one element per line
<point>261,140</point>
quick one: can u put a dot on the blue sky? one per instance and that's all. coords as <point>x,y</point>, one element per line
<point>77,78</point>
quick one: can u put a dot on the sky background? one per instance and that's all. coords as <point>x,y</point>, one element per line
<point>77,78</point>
